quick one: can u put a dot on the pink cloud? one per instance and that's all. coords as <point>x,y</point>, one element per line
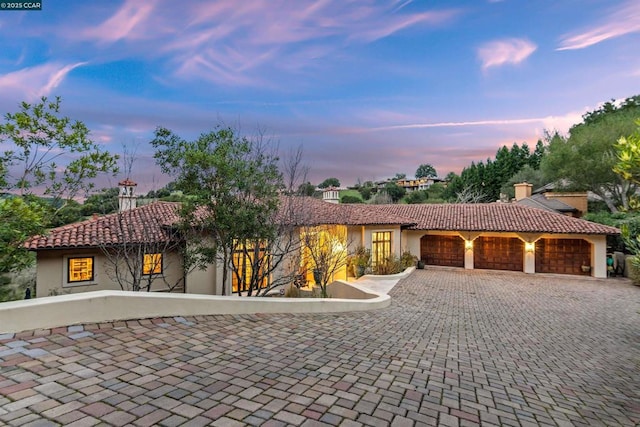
<point>123,23</point>
<point>34,82</point>
<point>241,41</point>
<point>625,20</point>
<point>507,51</point>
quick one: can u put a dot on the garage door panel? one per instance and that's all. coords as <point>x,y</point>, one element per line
<point>562,256</point>
<point>442,250</point>
<point>498,253</point>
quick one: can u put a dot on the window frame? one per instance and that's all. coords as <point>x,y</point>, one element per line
<point>152,272</point>
<point>375,257</point>
<point>67,271</point>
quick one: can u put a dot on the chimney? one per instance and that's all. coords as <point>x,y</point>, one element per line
<point>127,197</point>
<point>523,190</point>
<point>331,195</point>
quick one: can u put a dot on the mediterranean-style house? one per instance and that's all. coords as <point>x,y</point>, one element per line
<point>499,236</point>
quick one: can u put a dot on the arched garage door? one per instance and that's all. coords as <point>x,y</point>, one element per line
<point>498,253</point>
<point>442,250</point>
<point>562,256</point>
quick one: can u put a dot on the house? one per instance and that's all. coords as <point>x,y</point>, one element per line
<point>567,203</point>
<point>418,184</point>
<point>500,236</point>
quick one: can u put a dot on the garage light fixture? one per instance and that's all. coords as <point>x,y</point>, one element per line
<point>529,246</point>
<point>468,244</point>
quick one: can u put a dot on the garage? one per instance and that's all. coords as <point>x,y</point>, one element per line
<point>562,256</point>
<point>442,250</point>
<point>498,253</point>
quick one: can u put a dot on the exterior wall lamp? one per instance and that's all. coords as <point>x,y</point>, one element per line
<point>468,244</point>
<point>529,246</point>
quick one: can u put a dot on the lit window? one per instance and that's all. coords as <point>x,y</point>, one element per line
<point>152,264</point>
<point>80,269</point>
<point>380,246</point>
<point>250,264</point>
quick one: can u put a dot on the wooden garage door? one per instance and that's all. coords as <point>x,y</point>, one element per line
<point>498,253</point>
<point>562,256</point>
<point>442,250</point>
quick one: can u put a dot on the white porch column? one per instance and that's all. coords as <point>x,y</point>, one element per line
<point>529,257</point>
<point>598,256</point>
<point>468,254</point>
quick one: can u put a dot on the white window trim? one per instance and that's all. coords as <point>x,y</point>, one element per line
<point>65,271</point>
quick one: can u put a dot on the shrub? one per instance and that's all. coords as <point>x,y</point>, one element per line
<point>408,260</point>
<point>390,265</point>
<point>292,292</point>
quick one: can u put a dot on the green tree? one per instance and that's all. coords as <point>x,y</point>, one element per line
<point>394,191</point>
<point>103,202</point>
<point>426,171</point>
<point>306,189</point>
<point>417,197</point>
<point>19,220</point>
<point>351,199</point>
<point>585,160</point>
<point>398,176</point>
<point>526,174</point>
<point>628,155</point>
<point>329,182</point>
<point>366,189</point>
<point>233,185</point>
<point>41,137</point>
<point>41,141</point>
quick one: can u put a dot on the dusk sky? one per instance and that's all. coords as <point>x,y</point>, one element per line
<point>367,88</point>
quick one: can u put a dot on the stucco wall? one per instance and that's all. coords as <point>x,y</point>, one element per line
<point>51,273</point>
<point>102,306</point>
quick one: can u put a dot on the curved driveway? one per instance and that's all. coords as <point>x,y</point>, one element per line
<point>455,348</point>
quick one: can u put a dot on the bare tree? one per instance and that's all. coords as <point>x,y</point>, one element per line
<point>142,254</point>
<point>324,251</point>
<point>470,195</point>
<point>272,260</point>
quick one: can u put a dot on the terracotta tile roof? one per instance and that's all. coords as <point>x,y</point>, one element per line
<point>144,224</point>
<point>151,222</point>
<point>127,182</point>
<point>311,211</point>
<point>499,217</point>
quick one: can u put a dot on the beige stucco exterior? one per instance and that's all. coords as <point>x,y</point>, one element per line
<point>51,273</point>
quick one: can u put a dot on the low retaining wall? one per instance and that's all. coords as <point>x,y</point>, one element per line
<point>105,306</point>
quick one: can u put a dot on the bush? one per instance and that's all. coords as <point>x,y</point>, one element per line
<point>633,269</point>
<point>350,199</point>
<point>390,265</point>
<point>408,260</point>
<point>292,292</point>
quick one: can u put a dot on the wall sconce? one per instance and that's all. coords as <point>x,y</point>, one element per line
<point>468,244</point>
<point>529,246</point>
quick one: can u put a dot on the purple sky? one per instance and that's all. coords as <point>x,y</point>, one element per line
<point>368,88</point>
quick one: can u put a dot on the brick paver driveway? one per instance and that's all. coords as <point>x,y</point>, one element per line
<point>455,348</point>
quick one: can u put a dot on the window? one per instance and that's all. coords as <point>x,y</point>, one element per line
<point>152,264</point>
<point>380,246</point>
<point>249,263</point>
<point>79,269</point>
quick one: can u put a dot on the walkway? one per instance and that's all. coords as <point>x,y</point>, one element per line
<point>455,348</point>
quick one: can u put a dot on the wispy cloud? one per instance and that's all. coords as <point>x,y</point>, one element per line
<point>624,20</point>
<point>561,123</point>
<point>507,51</point>
<point>238,43</point>
<point>123,23</point>
<point>36,81</point>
